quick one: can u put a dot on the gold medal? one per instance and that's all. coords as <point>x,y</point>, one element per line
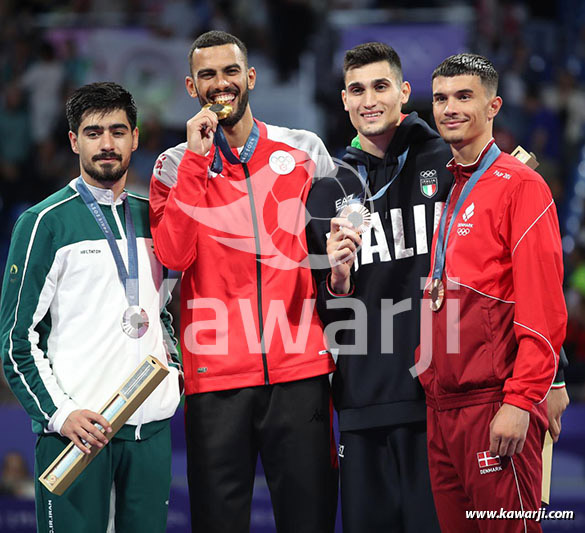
<point>222,111</point>
<point>437,294</point>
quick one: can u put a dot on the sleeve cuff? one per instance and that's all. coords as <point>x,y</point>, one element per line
<point>60,415</point>
<point>559,385</point>
<point>333,293</point>
<point>192,165</point>
<point>519,401</point>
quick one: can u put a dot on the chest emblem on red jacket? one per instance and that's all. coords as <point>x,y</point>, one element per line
<point>463,228</point>
<point>468,213</point>
<point>429,183</point>
<point>281,162</point>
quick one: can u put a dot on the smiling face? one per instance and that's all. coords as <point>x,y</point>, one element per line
<point>373,97</point>
<point>104,142</point>
<point>464,111</point>
<point>221,75</point>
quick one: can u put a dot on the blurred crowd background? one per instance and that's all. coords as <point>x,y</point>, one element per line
<point>50,47</point>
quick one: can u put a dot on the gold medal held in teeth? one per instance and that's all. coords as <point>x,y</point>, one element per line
<point>437,294</point>
<point>222,111</point>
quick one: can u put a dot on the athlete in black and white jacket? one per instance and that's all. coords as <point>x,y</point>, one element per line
<point>384,472</point>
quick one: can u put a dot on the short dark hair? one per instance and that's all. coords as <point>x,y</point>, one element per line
<point>217,38</point>
<point>103,97</point>
<point>364,54</point>
<point>469,64</point>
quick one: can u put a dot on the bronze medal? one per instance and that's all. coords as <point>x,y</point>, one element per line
<point>437,294</point>
<point>222,111</point>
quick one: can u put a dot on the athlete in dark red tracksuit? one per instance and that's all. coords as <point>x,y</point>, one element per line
<point>488,354</point>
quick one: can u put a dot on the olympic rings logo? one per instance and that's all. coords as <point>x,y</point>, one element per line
<point>428,173</point>
<point>463,231</point>
<point>282,162</point>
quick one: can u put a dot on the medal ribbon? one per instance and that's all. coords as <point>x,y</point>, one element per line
<point>442,239</point>
<point>221,143</point>
<point>364,176</point>
<point>128,278</point>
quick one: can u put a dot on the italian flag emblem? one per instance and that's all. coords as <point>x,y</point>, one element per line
<point>429,185</point>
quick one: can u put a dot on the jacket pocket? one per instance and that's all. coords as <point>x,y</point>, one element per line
<point>465,350</point>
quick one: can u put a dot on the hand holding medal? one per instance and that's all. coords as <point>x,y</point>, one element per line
<point>357,215</point>
<point>202,127</point>
<point>342,245</point>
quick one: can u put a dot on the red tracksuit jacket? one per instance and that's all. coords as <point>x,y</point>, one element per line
<point>248,312</point>
<point>498,333</point>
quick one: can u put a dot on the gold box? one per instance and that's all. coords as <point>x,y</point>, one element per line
<point>528,158</point>
<point>72,461</point>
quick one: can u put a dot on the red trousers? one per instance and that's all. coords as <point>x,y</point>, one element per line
<point>464,476</point>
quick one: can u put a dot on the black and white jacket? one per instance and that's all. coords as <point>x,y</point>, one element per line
<point>373,385</point>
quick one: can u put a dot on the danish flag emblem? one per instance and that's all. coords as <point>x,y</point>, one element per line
<point>486,460</point>
<point>468,212</point>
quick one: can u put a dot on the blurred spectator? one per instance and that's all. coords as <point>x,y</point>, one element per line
<point>575,341</point>
<point>15,134</point>
<point>16,479</point>
<point>44,81</point>
<point>143,160</point>
<point>292,22</point>
<point>15,56</point>
<point>180,18</point>
<point>15,152</point>
<point>567,99</point>
<point>76,66</point>
<point>541,128</point>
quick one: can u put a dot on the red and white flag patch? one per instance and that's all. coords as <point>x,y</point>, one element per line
<point>486,460</point>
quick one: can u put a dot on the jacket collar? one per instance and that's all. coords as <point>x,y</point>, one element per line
<point>103,196</point>
<point>467,170</point>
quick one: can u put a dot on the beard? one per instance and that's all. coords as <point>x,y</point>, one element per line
<point>238,113</point>
<point>107,173</point>
<point>453,139</point>
<point>381,130</point>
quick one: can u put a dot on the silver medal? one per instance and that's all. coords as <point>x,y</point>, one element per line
<point>134,322</point>
<point>358,215</point>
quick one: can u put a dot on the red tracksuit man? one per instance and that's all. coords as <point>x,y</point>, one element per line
<point>489,347</point>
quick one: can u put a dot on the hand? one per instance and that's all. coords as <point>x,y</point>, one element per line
<point>341,248</point>
<point>200,131</point>
<point>80,425</point>
<point>508,430</point>
<point>556,403</point>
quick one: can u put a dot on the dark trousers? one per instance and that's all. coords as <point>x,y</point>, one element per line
<point>289,425</point>
<point>385,484</point>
